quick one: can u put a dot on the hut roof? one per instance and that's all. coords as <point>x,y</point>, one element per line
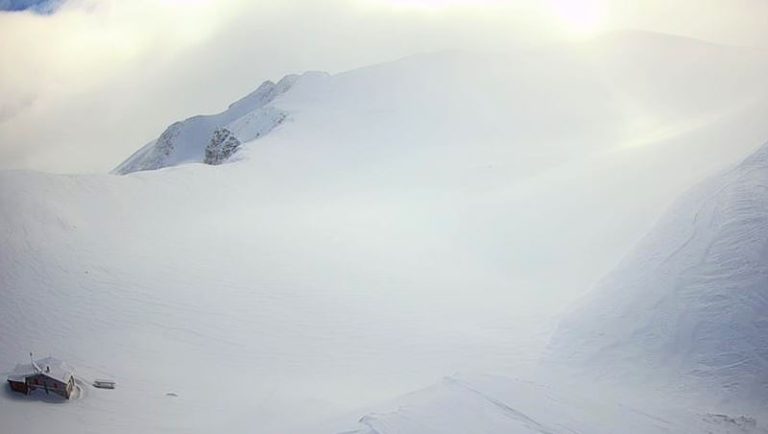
<point>50,367</point>
<point>21,372</point>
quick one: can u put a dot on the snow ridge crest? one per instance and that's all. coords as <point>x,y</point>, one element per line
<point>690,301</point>
<point>213,139</point>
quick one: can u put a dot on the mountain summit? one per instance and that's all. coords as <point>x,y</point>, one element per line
<point>215,138</point>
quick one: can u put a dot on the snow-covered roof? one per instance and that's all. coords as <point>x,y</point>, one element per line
<point>50,367</point>
<point>21,371</point>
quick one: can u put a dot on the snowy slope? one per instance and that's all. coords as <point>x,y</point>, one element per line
<point>563,129</point>
<point>491,404</point>
<point>196,140</point>
<point>692,300</point>
<point>402,224</point>
<point>639,89</point>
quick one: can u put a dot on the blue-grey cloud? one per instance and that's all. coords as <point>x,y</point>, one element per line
<point>37,6</point>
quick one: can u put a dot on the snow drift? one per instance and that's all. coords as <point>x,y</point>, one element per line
<point>691,302</point>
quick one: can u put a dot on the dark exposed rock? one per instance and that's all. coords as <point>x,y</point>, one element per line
<point>222,146</point>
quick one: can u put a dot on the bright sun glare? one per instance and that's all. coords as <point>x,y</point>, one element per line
<point>439,4</point>
<point>579,16</point>
<point>573,17</point>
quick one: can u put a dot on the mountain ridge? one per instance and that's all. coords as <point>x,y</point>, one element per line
<point>200,138</point>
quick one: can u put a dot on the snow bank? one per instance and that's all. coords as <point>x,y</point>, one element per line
<point>691,300</point>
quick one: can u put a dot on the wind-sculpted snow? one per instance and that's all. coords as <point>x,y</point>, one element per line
<point>692,301</point>
<point>196,139</point>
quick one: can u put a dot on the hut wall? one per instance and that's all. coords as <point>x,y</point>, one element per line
<point>43,382</point>
<point>18,386</point>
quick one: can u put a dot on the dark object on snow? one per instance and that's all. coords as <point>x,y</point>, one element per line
<point>104,384</point>
<point>56,377</point>
<point>222,146</point>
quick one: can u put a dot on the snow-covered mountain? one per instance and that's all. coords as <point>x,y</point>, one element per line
<point>214,139</point>
<point>623,90</point>
<point>405,221</point>
<point>691,302</point>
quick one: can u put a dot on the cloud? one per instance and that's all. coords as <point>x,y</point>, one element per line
<point>109,75</point>
<point>37,6</point>
<point>86,86</point>
<point>14,106</point>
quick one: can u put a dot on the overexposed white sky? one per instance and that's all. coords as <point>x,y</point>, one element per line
<point>82,88</point>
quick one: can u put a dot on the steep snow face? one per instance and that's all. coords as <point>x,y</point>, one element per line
<point>692,300</point>
<point>196,139</point>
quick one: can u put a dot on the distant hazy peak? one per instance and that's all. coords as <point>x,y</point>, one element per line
<point>201,139</point>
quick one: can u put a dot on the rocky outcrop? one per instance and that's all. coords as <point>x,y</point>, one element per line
<point>155,154</point>
<point>212,139</point>
<point>223,145</point>
<point>164,146</point>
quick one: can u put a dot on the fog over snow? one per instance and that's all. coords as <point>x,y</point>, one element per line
<point>92,66</point>
<point>268,228</point>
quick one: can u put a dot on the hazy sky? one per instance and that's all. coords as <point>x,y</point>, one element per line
<point>85,84</point>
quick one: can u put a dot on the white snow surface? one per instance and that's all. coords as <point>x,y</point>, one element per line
<point>185,141</point>
<point>487,404</point>
<point>691,302</point>
<point>406,221</point>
